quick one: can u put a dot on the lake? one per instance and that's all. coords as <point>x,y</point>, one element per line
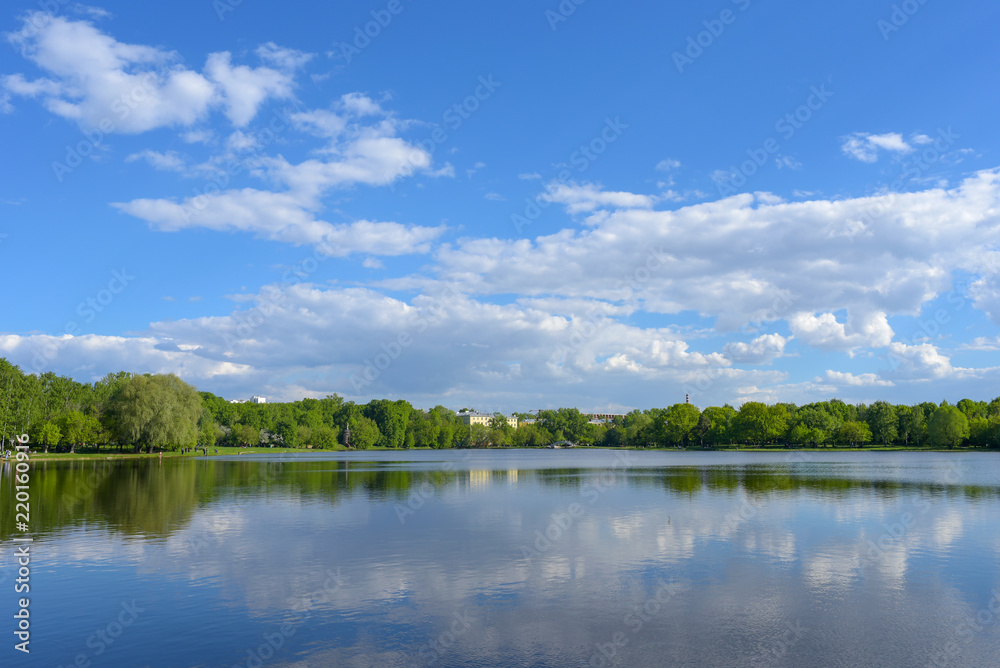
<point>511,558</point>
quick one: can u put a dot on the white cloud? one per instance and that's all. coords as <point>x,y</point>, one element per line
<point>919,361</point>
<point>751,258</point>
<point>244,89</point>
<point>761,350</point>
<point>197,136</point>
<point>668,165</point>
<point>982,343</point>
<point>358,153</point>
<point>985,290</point>
<point>281,217</point>
<point>458,345</point>
<point>99,82</point>
<point>865,147</point>
<point>787,161</point>
<point>529,176</point>
<point>587,197</point>
<point>495,197</point>
<point>321,122</point>
<point>281,57</point>
<point>827,333</point>
<point>359,105</point>
<point>841,378</point>
<point>94,12</point>
<point>171,161</point>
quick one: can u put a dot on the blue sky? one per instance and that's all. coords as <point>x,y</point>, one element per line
<point>507,205</point>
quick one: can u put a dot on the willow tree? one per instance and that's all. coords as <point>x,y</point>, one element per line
<point>160,411</point>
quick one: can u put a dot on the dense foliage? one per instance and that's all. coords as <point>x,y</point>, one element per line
<point>161,411</point>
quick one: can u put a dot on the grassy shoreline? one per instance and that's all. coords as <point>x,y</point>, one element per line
<point>108,454</point>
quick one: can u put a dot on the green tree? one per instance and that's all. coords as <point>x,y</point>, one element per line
<point>721,418</point>
<point>501,433</point>
<point>326,437</point>
<point>156,411</point>
<point>681,420</point>
<point>364,433</point>
<point>854,432</point>
<point>391,417</point>
<point>247,435</point>
<point>948,426</point>
<point>761,423</point>
<point>49,434</point>
<point>571,422</point>
<point>635,427</point>
<point>883,422</point>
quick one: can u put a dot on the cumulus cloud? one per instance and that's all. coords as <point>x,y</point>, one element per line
<point>98,82</point>
<point>454,344</point>
<point>754,259</point>
<point>359,152</point>
<point>761,350</point>
<point>842,378</point>
<point>824,331</point>
<point>918,361</point>
<point>243,89</point>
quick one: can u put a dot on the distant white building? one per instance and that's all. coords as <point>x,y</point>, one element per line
<point>475,417</point>
<point>253,400</point>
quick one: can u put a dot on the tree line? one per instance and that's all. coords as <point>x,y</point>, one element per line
<point>144,411</point>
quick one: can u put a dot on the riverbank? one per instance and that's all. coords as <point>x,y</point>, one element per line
<point>227,451</point>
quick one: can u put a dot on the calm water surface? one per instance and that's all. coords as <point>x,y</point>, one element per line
<point>516,558</point>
